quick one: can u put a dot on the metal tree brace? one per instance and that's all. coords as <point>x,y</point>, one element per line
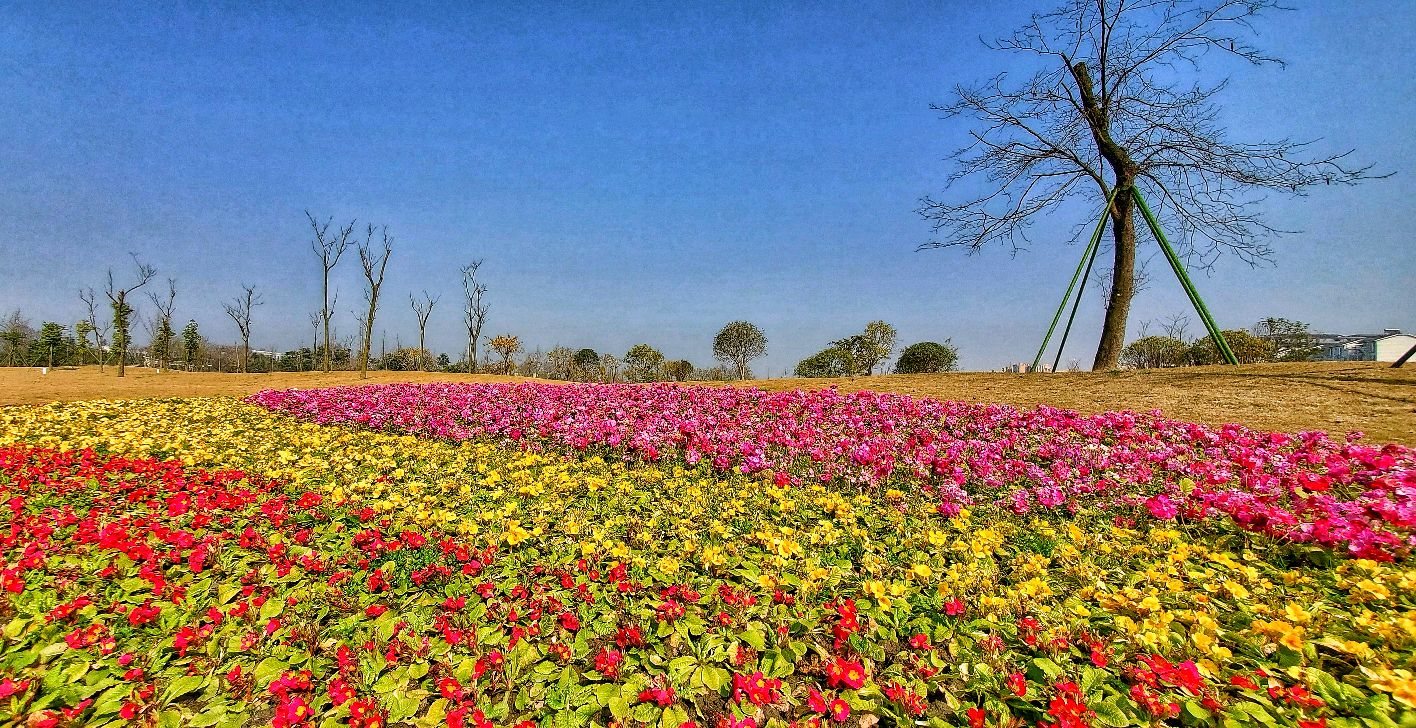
<point>1089,258</point>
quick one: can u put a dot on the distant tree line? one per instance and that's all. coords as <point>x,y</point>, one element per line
<point>859,355</point>
<point>1271,340</point>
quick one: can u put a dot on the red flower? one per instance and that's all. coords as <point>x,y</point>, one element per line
<point>920,641</point>
<point>845,672</point>
<point>977,716</point>
<point>340,692</point>
<point>143,614</point>
<point>1018,684</point>
<point>451,689</point>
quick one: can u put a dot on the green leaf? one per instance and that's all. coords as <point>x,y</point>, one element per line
<point>401,707</point>
<point>1049,668</point>
<point>183,685</point>
<point>1109,714</point>
<point>756,639</point>
<point>674,716</point>
<point>269,669</point>
<point>272,608</point>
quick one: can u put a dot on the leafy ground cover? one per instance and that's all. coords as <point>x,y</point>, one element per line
<point>212,562</point>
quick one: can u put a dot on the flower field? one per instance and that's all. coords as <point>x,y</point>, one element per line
<point>510,555</point>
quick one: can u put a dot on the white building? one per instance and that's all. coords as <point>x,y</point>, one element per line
<point>1387,346</point>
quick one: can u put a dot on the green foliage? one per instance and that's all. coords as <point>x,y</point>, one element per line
<point>679,370</point>
<point>1155,352</point>
<point>737,344</point>
<point>191,342</point>
<point>53,347</point>
<point>585,364</point>
<point>407,359</point>
<point>1248,349</point>
<point>928,357</point>
<point>830,362</point>
<point>643,363</point>
<point>122,322</point>
<point>1291,340</point>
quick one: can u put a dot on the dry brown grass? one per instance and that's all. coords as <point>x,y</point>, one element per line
<point>28,386</point>
<point>1333,396</point>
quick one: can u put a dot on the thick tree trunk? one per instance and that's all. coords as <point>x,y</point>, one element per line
<point>1123,281</point>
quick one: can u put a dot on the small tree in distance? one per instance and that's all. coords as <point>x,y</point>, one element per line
<point>928,357</point>
<point>642,363</point>
<point>240,312</point>
<point>423,309</point>
<point>122,312</point>
<point>191,343</point>
<point>678,370</point>
<point>507,346</point>
<point>737,344</point>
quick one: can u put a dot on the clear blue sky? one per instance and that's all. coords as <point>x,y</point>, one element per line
<point>631,172</point>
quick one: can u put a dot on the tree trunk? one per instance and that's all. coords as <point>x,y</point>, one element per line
<point>1123,280</point>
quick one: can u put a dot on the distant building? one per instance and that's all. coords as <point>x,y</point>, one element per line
<point>1387,346</point>
<point>1021,368</point>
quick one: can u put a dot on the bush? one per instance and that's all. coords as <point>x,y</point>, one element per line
<point>679,370</point>
<point>1248,349</point>
<point>1155,352</point>
<point>928,357</point>
<point>831,362</point>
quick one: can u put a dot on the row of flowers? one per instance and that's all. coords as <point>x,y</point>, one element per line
<point>1305,487</point>
<point>358,577</point>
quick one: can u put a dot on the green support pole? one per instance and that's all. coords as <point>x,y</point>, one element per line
<point>1076,305</point>
<point>1216,335</point>
<point>1088,252</point>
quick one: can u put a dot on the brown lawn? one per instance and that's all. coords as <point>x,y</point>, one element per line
<point>1334,396</point>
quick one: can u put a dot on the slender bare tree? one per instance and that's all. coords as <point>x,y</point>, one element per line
<point>474,310</point>
<point>122,312</point>
<point>422,309</point>
<point>99,330</point>
<point>329,247</point>
<point>162,331</point>
<point>239,309</point>
<point>1109,110</point>
<point>373,262</point>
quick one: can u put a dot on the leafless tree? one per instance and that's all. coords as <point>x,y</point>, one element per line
<point>1105,114</point>
<point>239,309</point>
<point>122,312</point>
<point>99,330</point>
<point>329,247</point>
<point>315,319</point>
<point>1176,327</point>
<point>474,310</point>
<point>423,309</point>
<point>162,331</point>
<point>373,262</point>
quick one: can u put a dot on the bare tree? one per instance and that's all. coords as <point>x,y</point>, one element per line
<point>122,312</point>
<point>373,262</point>
<point>315,319</point>
<point>1105,115</point>
<point>99,330</point>
<point>422,309</point>
<point>474,310</point>
<point>329,247</point>
<point>162,331</point>
<point>240,312</point>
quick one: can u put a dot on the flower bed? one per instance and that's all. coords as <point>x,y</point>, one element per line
<point>1304,488</point>
<point>438,583</point>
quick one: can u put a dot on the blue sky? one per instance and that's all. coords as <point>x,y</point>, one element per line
<point>630,172</point>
